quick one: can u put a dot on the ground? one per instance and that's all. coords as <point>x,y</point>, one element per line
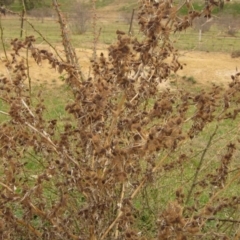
<point>204,67</point>
<point>208,67</point>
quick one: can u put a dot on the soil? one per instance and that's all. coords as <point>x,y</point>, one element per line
<point>207,68</point>
<point>204,67</point>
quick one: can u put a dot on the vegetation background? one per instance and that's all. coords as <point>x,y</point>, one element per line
<point>220,33</point>
<point>113,153</point>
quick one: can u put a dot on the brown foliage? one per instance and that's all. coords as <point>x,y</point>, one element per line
<point>123,136</point>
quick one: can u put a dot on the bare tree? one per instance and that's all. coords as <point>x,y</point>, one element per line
<point>80,17</point>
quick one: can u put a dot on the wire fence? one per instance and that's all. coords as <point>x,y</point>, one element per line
<point>219,36</point>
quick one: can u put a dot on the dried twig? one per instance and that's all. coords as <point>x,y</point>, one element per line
<point>200,164</point>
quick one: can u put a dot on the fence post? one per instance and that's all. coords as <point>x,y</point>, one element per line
<point>130,27</point>
<point>200,38</point>
<point>22,21</point>
<point>94,23</point>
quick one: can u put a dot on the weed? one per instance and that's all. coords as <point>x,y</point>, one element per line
<point>121,160</point>
<point>190,79</point>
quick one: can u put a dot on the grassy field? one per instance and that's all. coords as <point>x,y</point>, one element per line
<point>215,39</point>
<point>233,8</point>
<point>65,4</point>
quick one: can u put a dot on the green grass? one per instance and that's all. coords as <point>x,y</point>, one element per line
<point>50,29</point>
<point>55,98</point>
<point>129,7</point>
<point>229,8</point>
<point>214,40</point>
<point>65,4</point>
<point>190,79</point>
<point>103,3</point>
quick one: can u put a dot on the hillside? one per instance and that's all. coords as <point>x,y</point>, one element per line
<point>100,4</point>
<point>232,8</point>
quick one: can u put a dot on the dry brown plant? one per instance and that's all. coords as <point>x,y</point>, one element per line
<point>125,135</point>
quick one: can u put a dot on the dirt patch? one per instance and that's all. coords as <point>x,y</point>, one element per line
<point>209,68</point>
<point>204,67</point>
